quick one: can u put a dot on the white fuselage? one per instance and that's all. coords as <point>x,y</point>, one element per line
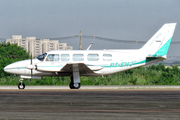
<point>101,62</point>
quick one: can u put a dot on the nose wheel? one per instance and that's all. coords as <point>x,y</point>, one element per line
<point>21,85</point>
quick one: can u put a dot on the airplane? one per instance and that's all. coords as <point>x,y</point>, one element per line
<point>76,63</point>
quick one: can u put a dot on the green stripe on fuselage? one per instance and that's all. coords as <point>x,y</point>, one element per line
<point>164,49</point>
<point>128,64</point>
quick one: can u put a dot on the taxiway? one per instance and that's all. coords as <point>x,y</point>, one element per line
<point>95,104</point>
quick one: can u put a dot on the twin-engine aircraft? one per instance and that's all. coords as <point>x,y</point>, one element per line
<point>76,63</point>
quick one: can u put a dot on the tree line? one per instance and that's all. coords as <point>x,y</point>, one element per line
<point>10,53</point>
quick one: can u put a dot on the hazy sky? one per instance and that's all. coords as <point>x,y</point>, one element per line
<point>117,19</point>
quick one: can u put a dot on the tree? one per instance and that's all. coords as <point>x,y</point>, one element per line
<point>10,53</point>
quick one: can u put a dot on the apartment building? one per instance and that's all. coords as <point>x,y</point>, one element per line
<point>37,47</point>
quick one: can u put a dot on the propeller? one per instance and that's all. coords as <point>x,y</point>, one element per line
<point>31,69</point>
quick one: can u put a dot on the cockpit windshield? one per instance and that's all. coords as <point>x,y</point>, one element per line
<point>41,57</point>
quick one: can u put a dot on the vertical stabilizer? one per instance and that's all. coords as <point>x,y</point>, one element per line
<point>159,44</point>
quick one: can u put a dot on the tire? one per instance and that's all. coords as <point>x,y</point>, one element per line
<point>74,86</point>
<point>77,85</point>
<point>71,86</point>
<point>21,86</point>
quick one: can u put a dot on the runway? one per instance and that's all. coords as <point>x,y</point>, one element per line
<point>95,104</point>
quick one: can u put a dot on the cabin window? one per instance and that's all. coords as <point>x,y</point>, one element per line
<point>52,57</point>
<point>93,57</point>
<point>78,57</point>
<point>65,57</point>
<point>107,57</point>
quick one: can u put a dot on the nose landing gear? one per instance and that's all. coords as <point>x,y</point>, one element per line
<point>21,85</point>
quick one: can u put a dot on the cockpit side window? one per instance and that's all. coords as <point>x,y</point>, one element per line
<point>52,57</point>
<point>41,57</point>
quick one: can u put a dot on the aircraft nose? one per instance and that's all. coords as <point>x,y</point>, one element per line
<point>12,68</point>
<point>7,68</point>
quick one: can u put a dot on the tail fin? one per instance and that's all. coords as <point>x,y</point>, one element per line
<point>159,44</point>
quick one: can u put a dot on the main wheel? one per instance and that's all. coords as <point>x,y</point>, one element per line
<point>21,86</point>
<point>71,85</point>
<point>74,85</point>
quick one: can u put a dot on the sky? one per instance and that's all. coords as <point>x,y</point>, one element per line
<point>116,19</point>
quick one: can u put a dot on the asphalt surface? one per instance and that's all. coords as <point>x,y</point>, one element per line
<point>90,104</point>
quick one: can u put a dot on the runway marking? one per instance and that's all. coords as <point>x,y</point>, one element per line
<point>115,111</point>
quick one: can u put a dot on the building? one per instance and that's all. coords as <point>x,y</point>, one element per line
<point>37,47</point>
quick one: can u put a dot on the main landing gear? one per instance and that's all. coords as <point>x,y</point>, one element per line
<point>75,78</point>
<point>21,85</point>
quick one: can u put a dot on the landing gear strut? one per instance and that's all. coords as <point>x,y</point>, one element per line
<point>21,85</point>
<point>75,78</point>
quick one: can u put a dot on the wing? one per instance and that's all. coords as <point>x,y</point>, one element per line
<point>83,69</point>
<point>68,68</point>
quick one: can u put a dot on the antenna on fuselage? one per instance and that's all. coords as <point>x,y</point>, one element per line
<point>90,46</point>
<point>80,43</point>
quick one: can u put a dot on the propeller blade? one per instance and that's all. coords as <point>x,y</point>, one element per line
<point>31,75</point>
<point>31,69</point>
<point>31,58</point>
